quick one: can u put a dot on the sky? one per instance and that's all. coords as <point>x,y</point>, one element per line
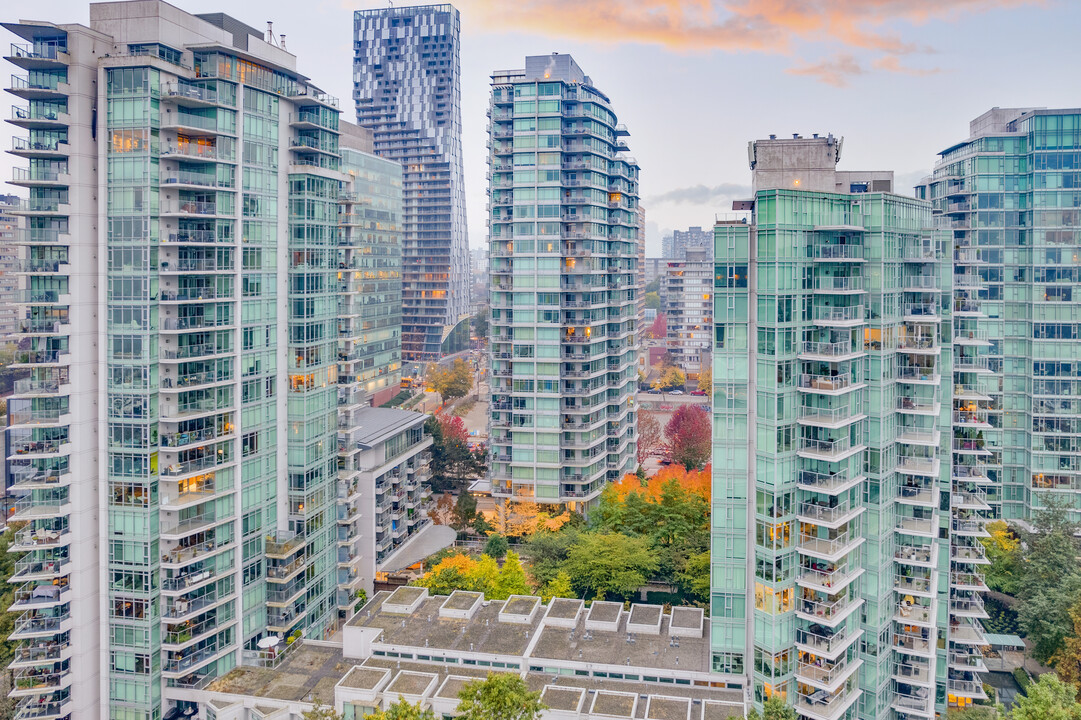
<point>695,80</point>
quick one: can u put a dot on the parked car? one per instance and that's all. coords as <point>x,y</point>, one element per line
<point>676,392</point>
<point>698,392</point>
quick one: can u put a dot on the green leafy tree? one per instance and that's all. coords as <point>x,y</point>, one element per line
<point>501,696</point>
<point>465,511</point>
<point>775,708</point>
<point>558,587</point>
<point>693,578</point>
<point>480,324</point>
<point>547,551</point>
<point>653,301</point>
<point>1051,580</point>
<point>1048,699</point>
<point>610,563</point>
<point>512,579</point>
<point>496,547</point>
<point>653,286</point>
<point>400,710</point>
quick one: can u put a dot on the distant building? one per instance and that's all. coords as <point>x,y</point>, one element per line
<point>675,246</point>
<point>654,268</point>
<point>407,88</point>
<point>688,309</point>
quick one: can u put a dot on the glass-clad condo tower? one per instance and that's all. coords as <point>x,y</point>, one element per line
<point>563,252</point>
<point>174,447</point>
<point>1006,200</point>
<point>830,369</point>
<point>407,89</point>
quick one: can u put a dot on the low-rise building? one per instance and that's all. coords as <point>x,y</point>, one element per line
<point>601,661</point>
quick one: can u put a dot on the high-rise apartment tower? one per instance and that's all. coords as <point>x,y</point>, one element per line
<point>563,250</point>
<point>407,89</point>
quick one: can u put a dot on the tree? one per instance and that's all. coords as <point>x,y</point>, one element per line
<point>547,551</point>
<point>1067,660</point>
<point>480,324</point>
<point>321,712</point>
<point>658,330</point>
<point>453,382</point>
<point>1049,698</point>
<point>512,579</point>
<point>453,463</point>
<point>1051,580</point>
<point>610,563</point>
<point>705,379</point>
<point>671,379</point>
<point>501,696</point>
<point>775,708</point>
<point>559,587</point>
<point>465,511</point>
<point>1003,549</point>
<point>442,513</point>
<point>690,436</point>
<point>399,710</point>
<point>653,301</point>
<point>649,434</point>
<point>653,286</point>
<point>496,547</point>
<point>693,579</point>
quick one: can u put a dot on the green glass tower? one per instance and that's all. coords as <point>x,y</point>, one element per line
<point>831,359</point>
<point>564,286</point>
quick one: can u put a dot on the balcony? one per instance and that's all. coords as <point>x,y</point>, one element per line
<point>828,483</point>
<point>824,674</point>
<point>821,577</point>
<point>832,547</point>
<point>827,515</point>
<point>829,351</point>
<point>920,526</point>
<point>918,555</point>
<point>839,316</point>
<point>968,582</point>
<point>838,284</point>
<point>920,312</point>
<point>913,672</point>
<point>822,705</point>
<point>918,344</point>
<point>968,632</point>
<point>834,252</point>
<point>918,585</point>
<point>918,465</point>
<point>827,612</point>
<point>828,450</point>
<point>826,644</point>
<point>828,384</point>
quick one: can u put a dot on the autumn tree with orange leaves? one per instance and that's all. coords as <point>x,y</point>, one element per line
<point>671,511</point>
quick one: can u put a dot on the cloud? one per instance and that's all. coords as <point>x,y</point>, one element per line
<point>891,63</point>
<point>774,27</point>
<point>835,71</point>
<point>699,194</point>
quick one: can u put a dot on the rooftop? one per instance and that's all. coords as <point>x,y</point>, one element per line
<point>309,674</point>
<point>374,425</point>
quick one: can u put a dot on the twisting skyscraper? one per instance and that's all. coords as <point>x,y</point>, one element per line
<point>407,90</point>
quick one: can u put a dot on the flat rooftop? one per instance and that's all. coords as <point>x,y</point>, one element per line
<point>374,425</point>
<point>613,648</point>
<point>425,629</point>
<point>308,674</point>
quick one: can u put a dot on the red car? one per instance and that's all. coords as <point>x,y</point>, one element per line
<point>698,392</point>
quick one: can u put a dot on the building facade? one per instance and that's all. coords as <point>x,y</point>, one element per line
<point>9,256</point>
<point>563,249</point>
<point>832,565</point>
<point>407,89</point>
<point>688,307</point>
<point>173,449</point>
<point>675,246</point>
